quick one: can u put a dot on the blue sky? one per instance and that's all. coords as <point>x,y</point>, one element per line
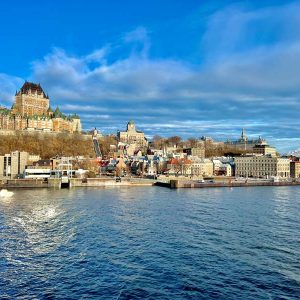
<point>190,68</point>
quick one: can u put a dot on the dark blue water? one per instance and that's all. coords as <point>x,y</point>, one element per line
<point>151,243</point>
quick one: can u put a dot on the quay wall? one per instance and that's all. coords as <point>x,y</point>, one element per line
<point>109,182</point>
<point>74,182</point>
<point>104,182</point>
<point>25,183</point>
<point>176,184</point>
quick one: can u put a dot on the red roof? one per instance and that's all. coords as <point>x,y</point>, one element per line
<point>177,161</point>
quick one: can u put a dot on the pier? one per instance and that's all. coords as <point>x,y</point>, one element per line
<point>134,182</point>
<point>176,184</point>
<point>75,182</point>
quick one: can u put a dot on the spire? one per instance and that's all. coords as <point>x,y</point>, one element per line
<point>243,136</point>
<point>57,113</point>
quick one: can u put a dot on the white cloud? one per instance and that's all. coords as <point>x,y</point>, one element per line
<point>251,86</point>
<point>8,86</point>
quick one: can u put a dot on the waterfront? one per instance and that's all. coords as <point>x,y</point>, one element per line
<point>151,243</point>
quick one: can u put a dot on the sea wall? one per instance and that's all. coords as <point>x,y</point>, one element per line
<point>108,182</point>
<point>74,182</point>
<point>176,184</point>
<point>25,183</point>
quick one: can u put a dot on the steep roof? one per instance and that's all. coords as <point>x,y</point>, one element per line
<point>57,113</point>
<point>33,87</point>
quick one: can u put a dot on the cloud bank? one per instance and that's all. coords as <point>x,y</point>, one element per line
<point>247,77</point>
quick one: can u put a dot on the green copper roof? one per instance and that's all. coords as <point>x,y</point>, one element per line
<point>75,116</point>
<point>57,113</point>
<point>5,111</point>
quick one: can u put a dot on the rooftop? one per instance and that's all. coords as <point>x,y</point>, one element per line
<point>30,87</point>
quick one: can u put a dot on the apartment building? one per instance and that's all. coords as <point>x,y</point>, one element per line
<point>13,165</point>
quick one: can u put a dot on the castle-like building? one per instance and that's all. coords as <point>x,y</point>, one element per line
<point>243,143</point>
<point>32,111</point>
<point>132,136</point>
<point>259,146</point>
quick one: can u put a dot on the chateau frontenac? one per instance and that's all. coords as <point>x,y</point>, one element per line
<point>32,111</point>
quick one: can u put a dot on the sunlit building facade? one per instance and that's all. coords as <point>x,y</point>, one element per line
<point>32,111</point>
<point>262,166</point>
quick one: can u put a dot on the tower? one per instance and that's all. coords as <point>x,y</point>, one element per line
<point>31,100</point>
<point>131,126</point>
<point>243,135</point>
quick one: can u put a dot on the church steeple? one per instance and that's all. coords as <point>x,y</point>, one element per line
<point>243,136</point>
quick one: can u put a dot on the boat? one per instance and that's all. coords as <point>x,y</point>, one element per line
<point>5,193</point>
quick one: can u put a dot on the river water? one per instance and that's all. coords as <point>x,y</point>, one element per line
<point>151,243</point>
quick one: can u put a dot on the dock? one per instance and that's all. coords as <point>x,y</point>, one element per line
<point>177,184</point>
<point>135,182</point>
<point>75,182</point>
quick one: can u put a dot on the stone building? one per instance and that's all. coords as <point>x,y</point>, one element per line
<point>32,111</point>
<point>295,169</point>
<point>262,147</point>
<point>261,166</point>
<point>202,167</point>
<point>132,136</point>
<point>243,143</point>
<point>198,151</point>
<point>31,100</point>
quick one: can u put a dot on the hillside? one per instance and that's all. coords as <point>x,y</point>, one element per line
<point>47,145</point>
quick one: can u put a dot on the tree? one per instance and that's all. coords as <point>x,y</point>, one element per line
<point>192,142</point>
<point>49,145</point>
<point>157,141</point>
<point>174,140</point>
<point>105,143</point>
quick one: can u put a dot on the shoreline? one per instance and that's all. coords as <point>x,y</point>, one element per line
<point>177,184</point>
<point>135,182</point>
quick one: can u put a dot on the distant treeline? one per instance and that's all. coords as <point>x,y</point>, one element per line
<point>63,144</point>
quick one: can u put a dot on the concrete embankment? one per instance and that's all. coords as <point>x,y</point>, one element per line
<point>176,184</point>
<point>104,182</point>
<point>74,182</point>
<point>24,183</point>
<point>133,182</point>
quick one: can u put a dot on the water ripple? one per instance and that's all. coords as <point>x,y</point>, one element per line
<point>151,243</point>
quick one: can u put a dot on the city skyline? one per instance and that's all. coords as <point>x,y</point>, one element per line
<point>186,68</point>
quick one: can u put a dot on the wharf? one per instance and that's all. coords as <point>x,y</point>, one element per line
<point>176,184</point>
<point>108,182</point>
<point>74,182</point>
<point>134,182</point>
